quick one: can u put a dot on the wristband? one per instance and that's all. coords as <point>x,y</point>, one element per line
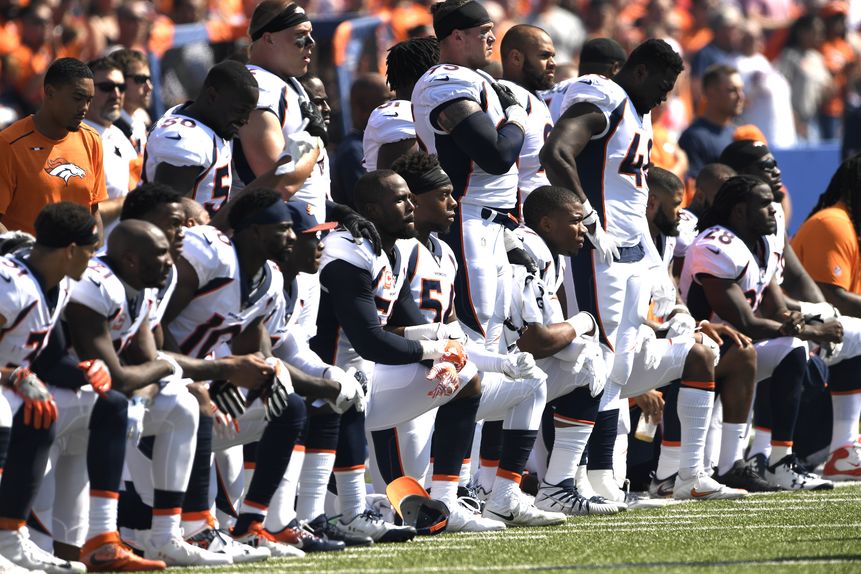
<point>177,370</point>
<point>583,323</point>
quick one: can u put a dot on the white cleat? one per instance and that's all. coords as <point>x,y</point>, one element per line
<point>220,542</point>
<point>788,474</point>
<point>17,548</point>
<point>703,487</point>
<point>372,525</point>
<point>465,519</point>
<point>518,511</point>
<point>565,498</point>
<point>9,567</point>
<point>178,552</point>
<point>258,537</point>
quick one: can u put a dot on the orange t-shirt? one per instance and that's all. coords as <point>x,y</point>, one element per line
<point>36,171</point>
<point>827,246</point>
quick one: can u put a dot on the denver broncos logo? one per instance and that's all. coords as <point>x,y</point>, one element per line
<point>64,170</point>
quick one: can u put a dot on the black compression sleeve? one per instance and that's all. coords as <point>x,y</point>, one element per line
<point>352,299</point>
<point>405,312</point>
<point>494,150</point>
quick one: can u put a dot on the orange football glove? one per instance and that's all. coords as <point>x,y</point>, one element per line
<point>97,374</point>
<point>455,354</point>
<point>40,410</point>
<point>445,375</point>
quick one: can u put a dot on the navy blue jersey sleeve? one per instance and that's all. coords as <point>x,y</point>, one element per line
<point>352,299</point>
<point>494,150</point>
<point>405,312</point>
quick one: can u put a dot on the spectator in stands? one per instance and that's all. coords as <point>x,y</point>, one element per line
<point>119,154</point>
<point>723,49</point>
<point>135,20</point>
<point>804,68</point>
<point>768,102</point>
<point>852,120</point>
<point>134,120</point>
<point>49,156</point>
<point>839,57</point>
<point>564,27</point>
<point>27,63</point>
<point>709,134</point>
<point>367,92</point>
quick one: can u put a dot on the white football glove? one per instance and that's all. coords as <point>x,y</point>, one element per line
<point>605,245</point>
<point>713,346</point>
<point>830,352</point>
<point>351,394</point>
<point>137,411</point>
<point>275,397</point>
<point>521,366</point>
<point>681,325</point>
<point>822,311</point>
<point>645,348</point>
<point>663,293</point>
<point>224,426</point>
<point>590,364</point>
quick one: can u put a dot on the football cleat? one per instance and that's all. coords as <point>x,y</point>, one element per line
<point>178,552</point>
<point>464,519</point>
<point>518,511</point>
<point>844,463</point>
<point>220,542</point>
<point>565,498</point>
<point>16,547</point>
<point>788,474</point>
<point>323,526</point>
<point>662,487</point>
<point>371,524</point>
<point>703,487</point>
<point>758,463</point>
<point>258,537</point>
<point>8,567</point>
<point>298,536</point>
<point>106,553</point>
<point>469,497</point>
<point>743,476</point>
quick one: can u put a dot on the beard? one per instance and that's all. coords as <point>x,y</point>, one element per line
<point>535,80</point>
<point>667,226</point>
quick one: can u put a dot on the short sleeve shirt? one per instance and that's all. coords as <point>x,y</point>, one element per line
<point>827,246</point>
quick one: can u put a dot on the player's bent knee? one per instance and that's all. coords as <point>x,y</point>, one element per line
<point>293,415</point>
<point>699,363</point>
<point>471,389</point>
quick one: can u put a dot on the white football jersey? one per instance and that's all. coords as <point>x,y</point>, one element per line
<point>220,308</point>
<point>162,298</point>
<point>554,96</point>
<point>530,171</point>
<point>472,185</point>
<point>550,270</point>
<point>181,141</point>
<point>102,291</point>
<point>387,279</point>
<point>30,313</point>
<point>780,239</point>
<point>293,309</point>
<point>666,249</point>
<point>687,233</point>
<point>389,123</point>
<point>718,252</point>
<point>614,164</point>
<point>431,274</point>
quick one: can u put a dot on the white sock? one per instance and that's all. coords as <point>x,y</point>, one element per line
<point>761,442</point>
<point>487,474</point>
<point>282,507</point>
<point>444,489</point>
<point>351,492</point>
<point>731,445</point>
<point>668,461</point>
<point>604,484</point>
<point>581,479</point>
<point>846,409</point>
<point>695,409</point>
<point>568,447</point>
<point>165,526</point>
<point>465,472</point>
<point>713,436</point>
<point>313,481</point>
<point>778,452</point>
<point>103,513</point>
<point>505,487</point>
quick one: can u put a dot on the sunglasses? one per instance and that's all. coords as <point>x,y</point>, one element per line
<point>140,78</point>
<point>767,164</point>
<point>304,42</point>
<point>109,87</point>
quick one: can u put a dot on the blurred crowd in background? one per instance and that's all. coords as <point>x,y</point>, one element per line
<point>798,60</point>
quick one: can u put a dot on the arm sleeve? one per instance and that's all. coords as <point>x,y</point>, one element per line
<point>494,150</point>
<point>296,352</point>
<point>353,304</point>
<point>405,312</point>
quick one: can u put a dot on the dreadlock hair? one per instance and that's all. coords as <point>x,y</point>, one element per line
<point>408,60</point>
<point>842,187</point>
<point>735,190</point>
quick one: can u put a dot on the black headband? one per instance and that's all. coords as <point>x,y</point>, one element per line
<point>275,213</point>
<point>292,15</point>
<point>430,180</point>
<point>85,234</point>
<point>469,15</point>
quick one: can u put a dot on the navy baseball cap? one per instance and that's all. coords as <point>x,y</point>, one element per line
<point>303,221</point>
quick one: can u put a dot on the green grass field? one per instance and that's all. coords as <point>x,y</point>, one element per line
<point>792,532</point>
